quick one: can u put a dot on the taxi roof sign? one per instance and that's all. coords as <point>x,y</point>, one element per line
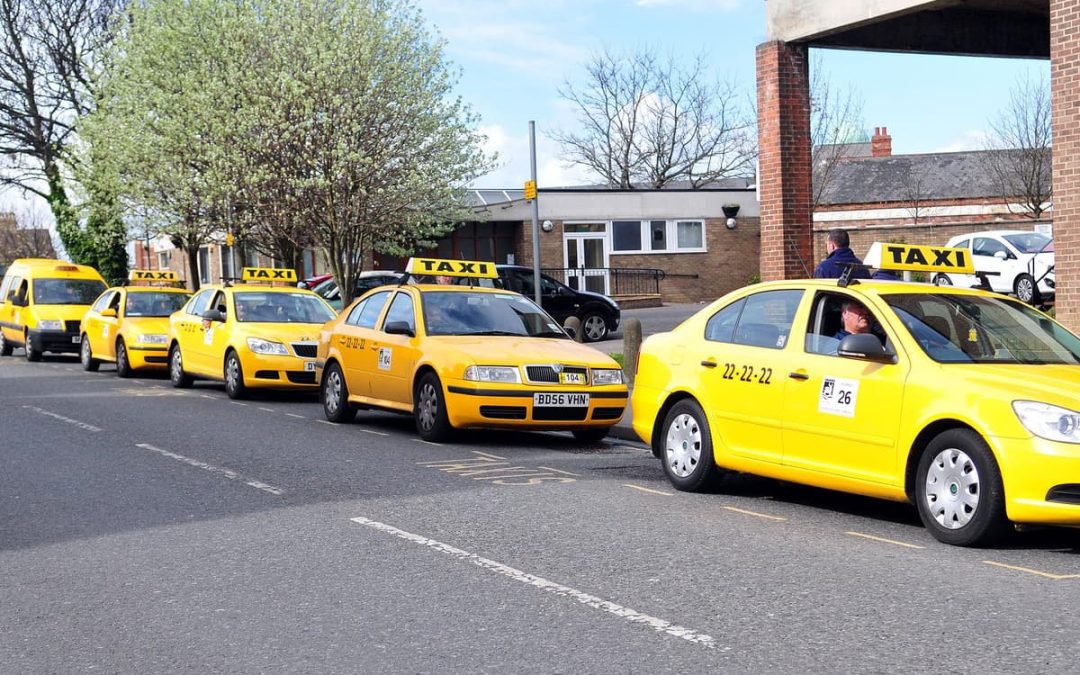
<point>909,258</point>
<point>451,268</point>
<point>268,274</point>
<point>167,276</point>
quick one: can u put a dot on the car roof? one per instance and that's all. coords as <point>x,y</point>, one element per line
<point>147,289</point>
<point>990,233</point>
<point>875,286</point>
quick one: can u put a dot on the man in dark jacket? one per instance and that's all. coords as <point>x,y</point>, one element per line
<point>840,256</point>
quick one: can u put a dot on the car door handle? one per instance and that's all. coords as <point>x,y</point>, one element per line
<point>796,375</point>
<point>709,364</point>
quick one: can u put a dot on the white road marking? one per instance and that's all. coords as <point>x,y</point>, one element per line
<point>372,431</point>
<point>883,540</point>
<point>81,425</point>
<point>295,415</point>
<point>237,403</point>
<point>212,398</point>
<point>548,468</point>
<point>228,473</point>
<point>631,615</point>
<point>645,489</point>
<point>267,409</point>
<point>754,513</point>
<point>326,422</point>
<point>485,454</point>
<point>420,440</point>
<point>1028,570</point>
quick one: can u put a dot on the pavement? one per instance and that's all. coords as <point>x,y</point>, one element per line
<point>653,320</point>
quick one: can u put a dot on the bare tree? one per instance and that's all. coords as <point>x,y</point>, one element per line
<point>836,121</point>
<point>1019,149</point>
<point>650,121</point>
<point>916,191</point>
<point>25,234</point>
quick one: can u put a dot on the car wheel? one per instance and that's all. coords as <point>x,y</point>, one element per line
<point>31,353</point>
<point>234,377</point>
<point>335,396</point>
<point>429,409</point>
<point>123,363</point>
<point>959,492</point>
<point>1026,289</point>
<point>686,448</point>
<point>594,327</point>
<point>89,363</point>
<point>5,346</point>
<point>942,280</point>
<point>177,376</point>
<point>592,434</point>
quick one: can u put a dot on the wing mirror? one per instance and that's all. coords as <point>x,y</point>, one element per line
<point>865,346</point>
<point>399,328</point>
<point>108,313</point>
<point>214,315</point>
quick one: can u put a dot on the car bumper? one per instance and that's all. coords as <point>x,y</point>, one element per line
<point>278,372</point>
<point>55,341</point>
<point>473,404</point>
<point>1042,480</point>
<point>148,357</point>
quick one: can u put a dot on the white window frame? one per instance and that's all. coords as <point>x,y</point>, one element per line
<point>670,237</point>
<point>164,259</point>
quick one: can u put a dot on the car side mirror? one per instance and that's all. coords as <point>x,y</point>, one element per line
<point>108,313</point>
<point>399,328</point>
<point>1001,255</point>
<point>18,301</point>
<point>214,315</point>
<point>865,346</point>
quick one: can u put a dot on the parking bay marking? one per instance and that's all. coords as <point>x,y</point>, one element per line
<point>883,540</point>
<point>82,425</point>
<point>228,473</point>
<point>631,615</point>
<point>500,471</point>
<point>650,491</point>
<point>1028,570</point>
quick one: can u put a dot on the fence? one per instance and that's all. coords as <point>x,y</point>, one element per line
<point>610,280</point>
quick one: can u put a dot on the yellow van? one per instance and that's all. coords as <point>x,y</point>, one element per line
<point>42,302</point>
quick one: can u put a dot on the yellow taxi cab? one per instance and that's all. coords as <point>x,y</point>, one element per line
<point>42,302</point>
<point>129,325</point>
<point>456,356</point>
<point>959,400</point>
<point>249,335</point>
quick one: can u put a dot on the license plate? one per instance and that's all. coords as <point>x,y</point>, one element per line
<point>546,400</point>
<point>571,378</point>
<point>309,366</point>
<point>76,339</point>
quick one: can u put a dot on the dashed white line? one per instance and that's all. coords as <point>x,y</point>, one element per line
<point>883,540</point>
<point>1028,570</point>
<point>238,403</point>
<point>212,398</point>
<point>420,440</point>
<point>295,415</point>
<point>228,473</point>
<point>631,615</point>
<point>649,490</point>
<point>267,409</point>
<point>326,422</point>
<point>486,454</point>
<point>372,431</point>
<point>754,513</point>
<point>47,413</point>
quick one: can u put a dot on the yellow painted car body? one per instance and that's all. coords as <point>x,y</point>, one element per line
<point>770,386</point>
<point>392,340</point>
<point>129,326</point>
<point>42,302</point>
<point>269,333</point>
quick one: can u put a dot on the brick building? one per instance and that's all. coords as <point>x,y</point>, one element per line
<point>23,242</point>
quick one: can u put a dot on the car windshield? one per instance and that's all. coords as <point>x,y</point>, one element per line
<point>954,328</point>
<point>477,313</point>
<point>153,303</point>
<point>1030,242</point>
<point>67,291</point>
<point>263,307</point>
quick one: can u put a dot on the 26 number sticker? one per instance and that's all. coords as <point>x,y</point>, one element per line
<point>838,396</point>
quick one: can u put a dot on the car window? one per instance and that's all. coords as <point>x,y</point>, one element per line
<point>199,302</point>
<point>66,291</point>
<point>963,243</point>
<point>5,285</point>
<point>401,309</point>
<point>825,327</point>
<point>721,326</point>
<point>153,303</point>
<point>278,307</point>
<point>367,314</point>
<point>766,319</point>
<point>987,246</point>
<point>102,302</point>
<point>364,284</point>
<point>478,313</point>
<point>1030,242</point>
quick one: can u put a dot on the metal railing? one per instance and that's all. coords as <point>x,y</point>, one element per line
<point>617,280</point>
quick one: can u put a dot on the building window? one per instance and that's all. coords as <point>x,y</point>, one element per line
<point>227,271</point>
<point>164,258</point>
<point>658,236</point>
<point>204,265</point>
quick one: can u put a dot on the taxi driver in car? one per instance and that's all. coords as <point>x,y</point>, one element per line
<point>855,319</point>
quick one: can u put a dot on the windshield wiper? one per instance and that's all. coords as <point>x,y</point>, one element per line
<point>495,332</point>
<point>551,333</point>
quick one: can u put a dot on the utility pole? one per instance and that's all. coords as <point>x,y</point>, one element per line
<point>530,188</point>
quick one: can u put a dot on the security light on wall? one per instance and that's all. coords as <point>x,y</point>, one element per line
<point>730,223</point>
<point>547,226</point>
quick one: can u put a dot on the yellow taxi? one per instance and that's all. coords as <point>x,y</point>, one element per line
<point>961,401</point>
<point>129,325</point>
<point>249,335</point>
<point>457,356</point>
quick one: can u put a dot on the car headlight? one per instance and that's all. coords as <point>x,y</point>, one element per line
<point>153,338</point>
<point>260,346</point>
<point>507,374</point>
<point>1049,421</point>
<point>51,325</point>
<point>606,376</point>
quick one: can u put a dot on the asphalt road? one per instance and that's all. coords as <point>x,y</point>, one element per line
<point>653,320</point>
<point>145,529</point>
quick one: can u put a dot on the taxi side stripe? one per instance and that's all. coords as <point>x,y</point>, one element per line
<point>528,394</point>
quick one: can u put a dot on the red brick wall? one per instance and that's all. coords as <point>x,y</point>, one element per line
<point>1065,95</point>
<point>784,171</point>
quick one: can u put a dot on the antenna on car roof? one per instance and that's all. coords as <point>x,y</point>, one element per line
<point>845,276</point>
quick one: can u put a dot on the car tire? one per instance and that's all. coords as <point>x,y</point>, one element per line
<point>592,434</point>
<point>593,327</point>
<point>234,377</point>
<point>89,363</point>
<point>31,353</point>
<point>686,448</point>
<point>177,376</point>
<point>429,409</point>
<point>5,346</point>
<point>123,361</point>
<point>958,490</point>
<point>942,280</point>
<point>334,393</point>
<point>1026,289</point>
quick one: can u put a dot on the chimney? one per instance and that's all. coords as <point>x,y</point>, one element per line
<point>881,143</point>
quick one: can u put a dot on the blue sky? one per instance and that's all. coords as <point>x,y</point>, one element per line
<point>514,55</point>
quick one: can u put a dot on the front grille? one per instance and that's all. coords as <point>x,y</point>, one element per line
<point>568,414</point>
<point>607,413</point>
<point>503,412</point>
<point>549,375</point>
<point>266,375</point>
<point>1068,494</point>
<point>157,359</point>
<point>305,350</point>
<point>300,378</point>
<point>71,326</point>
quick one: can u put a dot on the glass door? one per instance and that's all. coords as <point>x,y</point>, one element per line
<point>586,262</point>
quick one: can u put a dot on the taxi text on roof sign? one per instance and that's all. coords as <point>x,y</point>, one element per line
<point>152,275</point>
<point>267,274</point>
<point>907,258</point>
<point>451,268</point>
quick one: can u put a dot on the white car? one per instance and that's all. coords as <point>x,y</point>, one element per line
<point>1021,263</point>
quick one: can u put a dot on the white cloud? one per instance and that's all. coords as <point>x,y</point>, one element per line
<point>973,139</point>
<point>514,168</point>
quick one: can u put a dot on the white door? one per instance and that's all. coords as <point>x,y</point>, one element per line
<point>586,262</point>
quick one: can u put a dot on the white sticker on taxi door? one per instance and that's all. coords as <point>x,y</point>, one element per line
<point>385,354</point>
<point>838,396</point>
